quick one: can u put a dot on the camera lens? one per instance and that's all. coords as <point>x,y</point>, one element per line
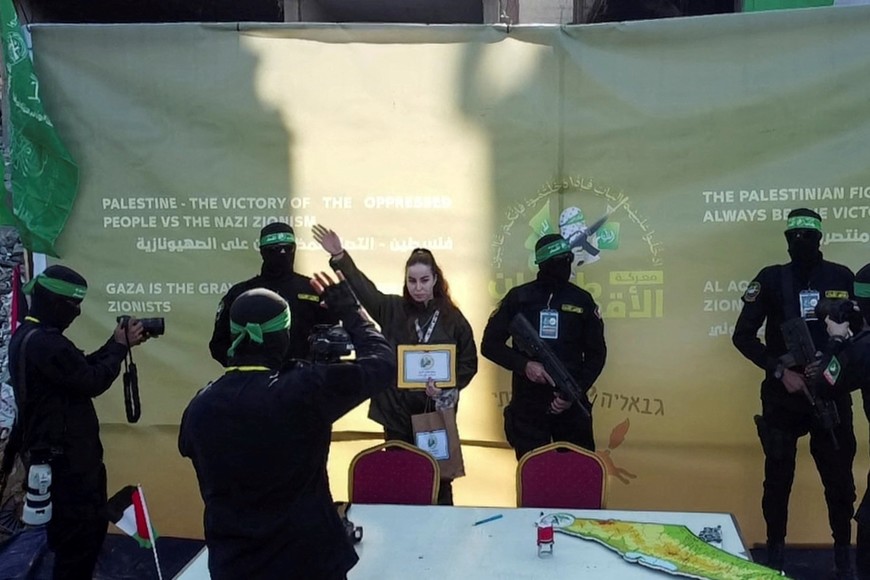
<point>151,326</point>
<point>154,326</point>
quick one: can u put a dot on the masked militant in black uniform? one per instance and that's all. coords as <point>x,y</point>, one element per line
<point>569,322</point>
<point>259,438</point>
<point>779,293</point>
<point>58,432</point>
<point>843,368</point>
<point>278,250</point>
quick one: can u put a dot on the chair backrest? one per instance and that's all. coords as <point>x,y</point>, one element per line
<point>393,472</point>
<point>561,475</point>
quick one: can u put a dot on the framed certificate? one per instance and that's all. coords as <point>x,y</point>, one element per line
<point>420,362</point>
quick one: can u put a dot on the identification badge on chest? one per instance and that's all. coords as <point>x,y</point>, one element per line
<point>548,326</point>
<point>809,299</point>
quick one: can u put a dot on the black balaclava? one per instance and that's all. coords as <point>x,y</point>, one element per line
<point>259,306</point>
<point>51,307</point>
<point>804,235</point>
<point>278,250</point>
<point>554,258</point>
<point>862,291</point>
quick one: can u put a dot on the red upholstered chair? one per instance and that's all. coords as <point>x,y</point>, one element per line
<point>561,475</point>
<point>393,472</point>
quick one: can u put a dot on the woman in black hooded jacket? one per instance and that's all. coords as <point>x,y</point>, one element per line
<point>424,313</point>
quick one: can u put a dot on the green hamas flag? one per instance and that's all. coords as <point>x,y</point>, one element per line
<point>44,176</point>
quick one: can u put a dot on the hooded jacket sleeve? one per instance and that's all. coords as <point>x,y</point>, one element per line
<point>87,376</point>
<point>466,352</point>
<point>372,299</point>
<point>845,366</point>
<point>750,320</point>
<point>348,384</point>
<point>495,335</point>
<point>594,349</point>
<point>221,338</point>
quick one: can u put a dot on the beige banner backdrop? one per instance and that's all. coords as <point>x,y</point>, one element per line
<point>697,135</point>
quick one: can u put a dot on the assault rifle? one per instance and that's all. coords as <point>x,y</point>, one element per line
<point>802,352</point>
<point>527,340</point>
<point>581,239</point>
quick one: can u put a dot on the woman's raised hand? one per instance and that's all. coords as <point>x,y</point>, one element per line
<point>328,240</point>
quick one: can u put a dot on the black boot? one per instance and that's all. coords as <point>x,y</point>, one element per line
<point>862,552</point>
<point>843,563</point>
<point>862,567</point>
<point>775,555</point>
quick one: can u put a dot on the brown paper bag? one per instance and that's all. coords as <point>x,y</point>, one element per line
<point>436,434</point>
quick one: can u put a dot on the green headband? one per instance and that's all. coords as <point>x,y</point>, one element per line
<point>277,238</point>
<point>862,289</point>
<point>803,222</point>
<point>56,286</point>
<point>256,331</point>
<point>554,248</point>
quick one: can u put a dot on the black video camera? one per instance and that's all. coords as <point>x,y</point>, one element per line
<point>329,343</point>
<point>841,310</point>
<point>151,326</point>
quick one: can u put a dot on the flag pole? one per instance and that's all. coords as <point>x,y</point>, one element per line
<point>150,531</point>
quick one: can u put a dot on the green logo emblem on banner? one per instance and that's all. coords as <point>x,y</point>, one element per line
<point>608,236</point>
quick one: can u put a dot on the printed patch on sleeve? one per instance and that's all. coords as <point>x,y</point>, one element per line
<point>309,297</point>
<point>572,308</point>
<point>836,294</point>
<point>832,371</point>
<point>752,291</point>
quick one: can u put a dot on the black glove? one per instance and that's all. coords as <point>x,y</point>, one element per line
<point>340,299</point>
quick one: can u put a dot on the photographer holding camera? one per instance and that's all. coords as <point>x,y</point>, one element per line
<point>845,367</point>
<point>778,294</point>
<point>259,438</point>
<point>57,431</point>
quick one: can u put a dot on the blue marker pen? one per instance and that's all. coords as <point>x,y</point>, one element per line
<point>486,520</point>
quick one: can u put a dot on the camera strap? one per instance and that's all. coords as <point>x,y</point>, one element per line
<point>132,407</point>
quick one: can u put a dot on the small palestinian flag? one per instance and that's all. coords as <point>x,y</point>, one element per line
<point>832,371</point>
<point>126,509</point>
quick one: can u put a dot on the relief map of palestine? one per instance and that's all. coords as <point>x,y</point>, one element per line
<point>670,548</point>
